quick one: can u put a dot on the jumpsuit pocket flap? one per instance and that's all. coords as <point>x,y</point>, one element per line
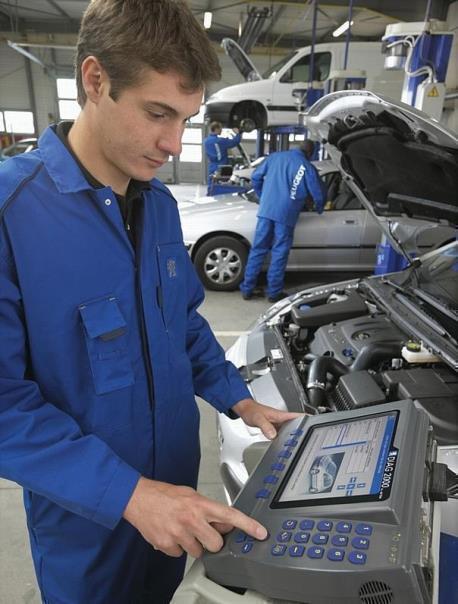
<point>102,318</point>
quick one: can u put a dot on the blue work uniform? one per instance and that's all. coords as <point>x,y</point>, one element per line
<point>216,148</point>
<point>102,353</point>
<point>282,183</point>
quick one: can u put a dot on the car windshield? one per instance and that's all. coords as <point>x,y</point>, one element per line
<point>434,285</point>
<point>438,274</point>
<point>276,68</point>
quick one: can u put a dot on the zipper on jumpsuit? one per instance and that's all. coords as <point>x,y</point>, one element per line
<point>136,248</point>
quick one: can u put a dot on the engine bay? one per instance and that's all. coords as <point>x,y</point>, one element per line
<point>349,353</point>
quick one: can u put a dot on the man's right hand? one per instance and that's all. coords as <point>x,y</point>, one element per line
<point>176,519</point>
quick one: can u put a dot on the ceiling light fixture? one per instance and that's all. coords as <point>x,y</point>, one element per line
<point>208,19</point>
<point>342,29</point>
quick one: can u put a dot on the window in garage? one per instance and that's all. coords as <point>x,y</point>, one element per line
<point>17,122</point>
<point>66,97</point>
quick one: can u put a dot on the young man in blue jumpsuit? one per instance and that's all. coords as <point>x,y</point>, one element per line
<point>217,146</point>
<point>102,346</point>
<point>282,182</point>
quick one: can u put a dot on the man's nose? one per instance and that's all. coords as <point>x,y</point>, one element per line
<point>170,140</point>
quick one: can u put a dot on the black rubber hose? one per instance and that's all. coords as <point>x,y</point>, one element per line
<point>316,383</point>
<point>366,358</point>
<point>374,353</point>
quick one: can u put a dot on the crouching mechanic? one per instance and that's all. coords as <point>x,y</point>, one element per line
<point>217,146</point>
<point>283,182</point>
<point>102,346</point>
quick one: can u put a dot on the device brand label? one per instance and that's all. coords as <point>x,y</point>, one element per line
<point>388,473</point>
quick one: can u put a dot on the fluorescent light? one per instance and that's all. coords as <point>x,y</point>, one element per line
<point>208,19</point>
<point>342,29</point>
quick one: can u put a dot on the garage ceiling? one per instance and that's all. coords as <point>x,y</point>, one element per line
<point>286,24</point>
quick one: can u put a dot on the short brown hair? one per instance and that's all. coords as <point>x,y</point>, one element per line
<point>214,126</point>
<point>129,36</point>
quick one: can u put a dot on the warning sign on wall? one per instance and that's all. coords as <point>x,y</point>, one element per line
<point>433,92</point>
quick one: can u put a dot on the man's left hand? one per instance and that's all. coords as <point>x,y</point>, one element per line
<point>256,415</point>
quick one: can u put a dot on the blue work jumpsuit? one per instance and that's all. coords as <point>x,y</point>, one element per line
<point>102,353</point>
<point>216,148</point>
<point>282,183</point>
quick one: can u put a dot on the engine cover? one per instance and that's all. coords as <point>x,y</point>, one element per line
<point>345,339</point>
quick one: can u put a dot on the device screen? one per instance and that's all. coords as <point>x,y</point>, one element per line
<point>342,462</point>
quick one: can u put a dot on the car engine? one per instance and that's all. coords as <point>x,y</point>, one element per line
<point>348,353</point>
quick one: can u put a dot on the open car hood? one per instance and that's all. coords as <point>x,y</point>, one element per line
<point>241,60</point>
<point>396,159</point>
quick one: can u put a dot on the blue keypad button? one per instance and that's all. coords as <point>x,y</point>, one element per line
<point>284,536</point>
<point>343,527</point>
<point>363,529</point>
<point>296,551</point>
<point>306,525</point>
<point>357,558</point>
<point>278,549</point>
<point>320,539</point>
<point>277,466</point>
<point>271,479</point>
<point>289,524</point>
<point>247,547</point>
<point>263,494</point>
<point>297,432</point>
<point>339,540</point>
<point>291,442</point>
<point>324,525</point>
<point>336,555</point>
<point>240,537</point>
<point>301,537</point>
<point>360,543</point>
<point>285,454</point>
<point>315,552</point>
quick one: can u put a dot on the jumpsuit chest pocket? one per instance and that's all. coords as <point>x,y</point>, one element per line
<point>105,331</point>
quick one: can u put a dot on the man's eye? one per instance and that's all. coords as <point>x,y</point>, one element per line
<point>156,115</point>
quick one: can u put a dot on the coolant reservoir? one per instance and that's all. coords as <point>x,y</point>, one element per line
<point>415,352</point>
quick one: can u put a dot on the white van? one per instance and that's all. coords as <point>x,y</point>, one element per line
<point>268,99</point>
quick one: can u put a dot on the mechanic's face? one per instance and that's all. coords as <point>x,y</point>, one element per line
<point>140,130</point>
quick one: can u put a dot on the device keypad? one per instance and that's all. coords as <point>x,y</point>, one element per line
<point>345,540</point>
<point>341,540</point>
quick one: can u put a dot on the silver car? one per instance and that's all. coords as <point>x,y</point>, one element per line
<point>368,340</point>
<point>218,232</point>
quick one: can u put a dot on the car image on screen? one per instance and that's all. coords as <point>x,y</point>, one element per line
<point>323,473</point>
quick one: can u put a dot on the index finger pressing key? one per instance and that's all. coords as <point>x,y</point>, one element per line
<point>248,525</point>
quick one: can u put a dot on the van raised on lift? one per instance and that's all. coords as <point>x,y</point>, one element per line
<point>268,99</point>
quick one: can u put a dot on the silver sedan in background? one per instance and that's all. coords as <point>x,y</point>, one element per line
<point>218,233</point>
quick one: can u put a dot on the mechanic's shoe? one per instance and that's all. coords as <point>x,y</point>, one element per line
<point>256,293</point>
<point>277,297</point>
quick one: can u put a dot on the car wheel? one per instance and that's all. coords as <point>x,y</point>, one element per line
<point>220,263</point>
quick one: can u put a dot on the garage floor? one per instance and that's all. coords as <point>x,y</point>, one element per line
<point>228,316</point>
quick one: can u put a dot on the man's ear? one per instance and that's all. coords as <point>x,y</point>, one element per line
<point>95,79</point>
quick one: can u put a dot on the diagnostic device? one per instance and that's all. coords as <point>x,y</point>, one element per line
<point>341,496</point>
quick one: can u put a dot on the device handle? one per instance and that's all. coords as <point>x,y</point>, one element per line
<point>196,588</point>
